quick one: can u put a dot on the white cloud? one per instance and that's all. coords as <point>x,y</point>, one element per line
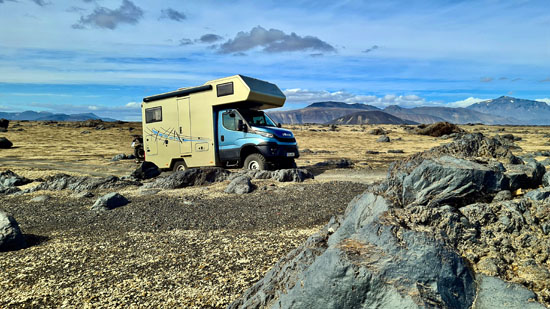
<point>93,107</point>
<point>133,105</point>
<point>545,100</point>
<point>306,96</point>
<point>467,102</point>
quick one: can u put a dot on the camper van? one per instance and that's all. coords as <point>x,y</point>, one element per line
<point>221,123</point>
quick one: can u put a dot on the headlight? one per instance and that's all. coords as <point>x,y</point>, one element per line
<point>265,134</point>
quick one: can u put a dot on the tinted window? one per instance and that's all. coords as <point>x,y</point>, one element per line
<point>224,89</point>
<point>153,114</point>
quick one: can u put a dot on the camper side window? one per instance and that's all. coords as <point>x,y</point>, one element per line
<point>153,114</point>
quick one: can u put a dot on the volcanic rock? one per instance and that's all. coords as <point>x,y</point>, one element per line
<point>5,143</point>
<point>439,129</point>
<point>4,123</point>
<point>10,179</point>
<point>420,237</point>
<point>383,139</point>
<point>109,201</point>
<point>81,183</point>
<point>11,237</point>
<point>240,185</point>
<point>146,170</point>
<point>190,177</point>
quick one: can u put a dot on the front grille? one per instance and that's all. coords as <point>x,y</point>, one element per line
<point>285,139</point>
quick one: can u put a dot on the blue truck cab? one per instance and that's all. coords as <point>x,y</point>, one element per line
<point>249,138</point>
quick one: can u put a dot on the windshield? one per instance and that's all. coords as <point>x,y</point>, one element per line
<point>257,118</point>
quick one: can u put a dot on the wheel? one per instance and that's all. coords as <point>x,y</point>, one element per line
<point>139,153</point>
<point>179,166</point>
<point>255,161</point>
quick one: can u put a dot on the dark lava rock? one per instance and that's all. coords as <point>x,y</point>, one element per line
<point>11,237</point>
<point>5,143</point>
<point>371,152</point>
<point>383,139</point>
<point>10,179</point>
<point>81,183</point>
<point>342,163</point>
<point>4,123</point>
<point>395,151</point>
<point>449,180</point>
<point>525,176</point>
<point>294,174</point>
<point>378,131</point>
<point>8,190</point>
<point>85,132</point>
<point>496,293</point>
<point>364,264</point>
<point>146,170</point>
<point>240,185</point>
<point>417,239</point>
<point>123,156</point>
<point>109,201</point>
<point>283,175</point>
<point>546,180</point>
<point>190,177</point>
<point>503,195</point>
<point>306,151</point>
<point>538,194</point>
<point>438,129</point>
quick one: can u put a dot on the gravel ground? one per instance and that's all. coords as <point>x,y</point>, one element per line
<point>195,247</point>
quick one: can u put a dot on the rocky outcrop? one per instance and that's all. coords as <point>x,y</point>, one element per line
<point>11,237</point>
<point>283,175</point>
<point>423,236</point>
<point>81,183</point>
<point>10,179</point>
<point>190,177</point>
<point>438,129</point>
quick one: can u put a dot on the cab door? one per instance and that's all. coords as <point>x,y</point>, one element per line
<point>229,136</point>
<point>184,126</point>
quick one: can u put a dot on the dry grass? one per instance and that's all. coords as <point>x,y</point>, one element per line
<point>41,149</point>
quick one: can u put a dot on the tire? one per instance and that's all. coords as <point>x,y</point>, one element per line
<point>179,166</point>
<point>255,161</point>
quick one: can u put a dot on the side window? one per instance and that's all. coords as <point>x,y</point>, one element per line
<point>230,120</point>
<point>153,114</point>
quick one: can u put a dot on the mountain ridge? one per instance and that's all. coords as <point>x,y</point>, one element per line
<point>48,116</point>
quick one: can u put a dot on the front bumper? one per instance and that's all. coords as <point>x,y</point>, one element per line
<point>274,150</point>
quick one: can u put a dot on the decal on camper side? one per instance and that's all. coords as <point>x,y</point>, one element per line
<point>171,134</point>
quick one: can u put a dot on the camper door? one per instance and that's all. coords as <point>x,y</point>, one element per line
<point>184,123</point>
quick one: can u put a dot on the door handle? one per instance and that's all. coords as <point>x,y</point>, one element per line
<point>180,130</point>
<point>222,138</point>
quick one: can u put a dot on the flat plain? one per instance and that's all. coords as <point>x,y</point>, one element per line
<point>190,247</point>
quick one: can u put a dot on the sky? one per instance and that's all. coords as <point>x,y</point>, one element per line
<point>105,56</point>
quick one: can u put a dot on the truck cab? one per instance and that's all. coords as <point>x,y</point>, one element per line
<point>249,138</point>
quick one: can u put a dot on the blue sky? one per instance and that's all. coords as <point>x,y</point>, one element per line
<point>104,56</point>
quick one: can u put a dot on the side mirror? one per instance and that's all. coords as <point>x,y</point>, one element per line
<point>279,125</point>
<point>241,126</point>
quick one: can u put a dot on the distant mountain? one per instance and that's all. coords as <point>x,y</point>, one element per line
<point>409,114</point>
<point>321,112</point>
<point>527,111</point>
<point>459,115</point>
<point>370,117</point>
<point>40,116</point>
